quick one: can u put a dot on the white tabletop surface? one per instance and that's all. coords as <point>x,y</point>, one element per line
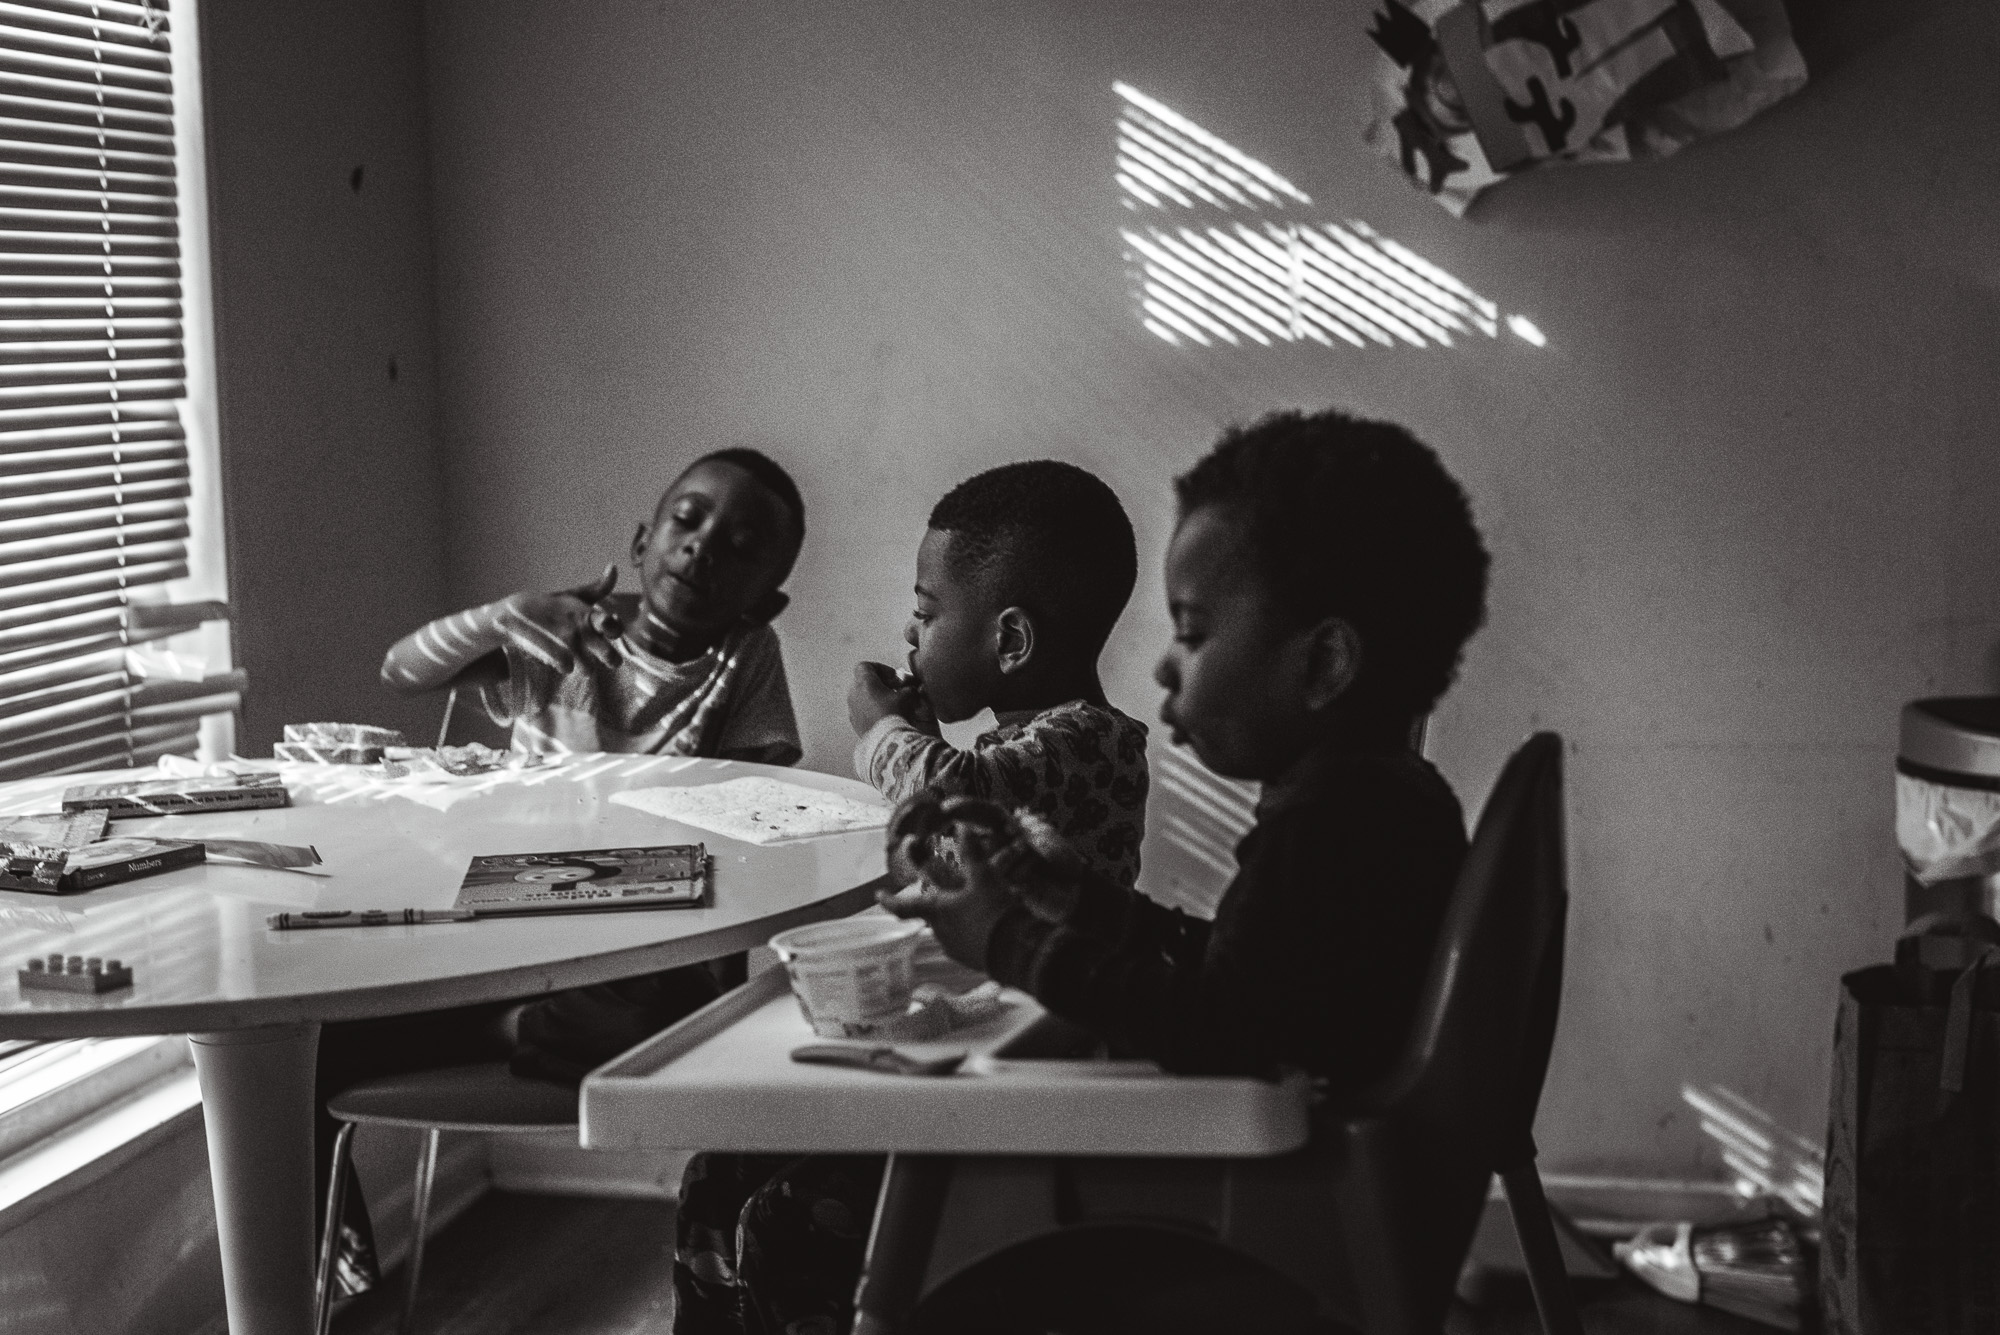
<point>204,960</point>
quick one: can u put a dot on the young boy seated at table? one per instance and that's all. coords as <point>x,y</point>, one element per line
<point>1022,574</point>
<point>688,666</point>
<point>1323,579</point>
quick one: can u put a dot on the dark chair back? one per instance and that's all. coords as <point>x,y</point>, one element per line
<point>1375,1215</point>
<point>1479,1048</point>
<point>1409,1165</point>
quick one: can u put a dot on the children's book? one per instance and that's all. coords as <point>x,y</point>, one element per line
<point>109,861</point>
<point>175,797</point>
<point>674,876</point>
<point>35,851</point>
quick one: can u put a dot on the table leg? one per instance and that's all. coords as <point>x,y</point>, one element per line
<point>899,1243</point>
<point>257,1103</point>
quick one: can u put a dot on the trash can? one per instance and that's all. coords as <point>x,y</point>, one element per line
<point>1948,805</point>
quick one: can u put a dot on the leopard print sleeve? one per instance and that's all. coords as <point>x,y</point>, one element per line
<point>1080,767</point>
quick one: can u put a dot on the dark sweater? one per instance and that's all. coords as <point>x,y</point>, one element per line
<point>1319,948</point>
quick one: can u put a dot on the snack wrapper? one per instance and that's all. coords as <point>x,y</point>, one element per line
<point>35,851</point>
<point>1470,92</point>
<point>278,857</point>
<point>335,743</point>
<point>461,762</point>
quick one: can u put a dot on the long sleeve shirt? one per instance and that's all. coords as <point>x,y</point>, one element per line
<point>730,700</point>
<point>1318,952</point>
<point>1081,767</point>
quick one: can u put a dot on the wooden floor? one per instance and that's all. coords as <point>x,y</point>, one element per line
<point>544,1265</point>
<point>539,1265</point>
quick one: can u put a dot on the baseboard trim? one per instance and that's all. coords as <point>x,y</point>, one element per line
<point>1615,1206</point>
<point>96,1145</point>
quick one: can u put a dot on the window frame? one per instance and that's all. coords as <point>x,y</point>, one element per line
<point>103,673</point>
<point>60,1094</point>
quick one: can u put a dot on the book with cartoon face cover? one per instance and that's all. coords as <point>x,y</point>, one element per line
<point>668,876</point>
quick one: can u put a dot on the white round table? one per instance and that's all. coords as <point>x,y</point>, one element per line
<point>253,998</point>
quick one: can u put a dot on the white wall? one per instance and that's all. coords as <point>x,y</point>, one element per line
<point>1739,504</point>
<point>330,462</point>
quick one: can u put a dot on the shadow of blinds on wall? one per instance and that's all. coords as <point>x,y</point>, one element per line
<point>94,478</point>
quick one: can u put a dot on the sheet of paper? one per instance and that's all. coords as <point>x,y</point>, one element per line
<point>758,810</point>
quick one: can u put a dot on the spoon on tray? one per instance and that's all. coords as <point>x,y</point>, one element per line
<point>880,1057</point>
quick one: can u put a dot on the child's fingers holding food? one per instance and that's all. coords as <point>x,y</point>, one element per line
<point>963,919</point>
<point>872,696</point>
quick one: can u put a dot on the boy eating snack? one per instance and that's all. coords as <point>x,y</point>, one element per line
<point>1020,578</point>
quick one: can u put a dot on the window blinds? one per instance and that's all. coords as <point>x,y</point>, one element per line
<point>93,458</point>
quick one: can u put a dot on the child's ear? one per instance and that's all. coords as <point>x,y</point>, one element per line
<point>639,536</point>
<point>1333,661</point>
<point>1016,636</point>
<point>766,609</point>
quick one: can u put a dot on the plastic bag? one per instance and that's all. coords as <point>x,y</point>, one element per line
<point>1947,832</point>
<point>1759,1269</point>
<point>1468,94</point>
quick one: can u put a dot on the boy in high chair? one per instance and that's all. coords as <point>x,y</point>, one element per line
<point>1323,578</point>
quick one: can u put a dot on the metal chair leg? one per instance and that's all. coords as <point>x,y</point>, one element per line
<point>329,1243</point>
<point>1548,1276</point>
<point>420,1210</point>
<point>899,1244</point>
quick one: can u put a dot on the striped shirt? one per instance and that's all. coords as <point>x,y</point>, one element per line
<point>618,697</point>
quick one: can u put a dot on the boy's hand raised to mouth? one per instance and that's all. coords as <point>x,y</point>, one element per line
<point>880,691</point>
<point>555,627</point>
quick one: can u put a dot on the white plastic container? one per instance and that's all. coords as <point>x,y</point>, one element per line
<point>852,977</point>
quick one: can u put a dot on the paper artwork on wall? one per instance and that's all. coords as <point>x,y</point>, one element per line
<point>1470,92</point>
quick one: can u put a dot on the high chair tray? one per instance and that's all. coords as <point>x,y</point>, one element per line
<point>723,1079</point>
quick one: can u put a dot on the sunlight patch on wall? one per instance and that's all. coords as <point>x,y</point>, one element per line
<point>1766,1158</point>
<point>1234,263</point>
<point>1194,820</point>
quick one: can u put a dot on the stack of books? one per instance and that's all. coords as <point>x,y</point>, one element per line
<point>179,797</point>
<point>59,855</point>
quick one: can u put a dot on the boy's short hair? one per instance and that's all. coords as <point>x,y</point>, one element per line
<point>1357,520</point>
<point>1055,537</point>
<point>770,474</point>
